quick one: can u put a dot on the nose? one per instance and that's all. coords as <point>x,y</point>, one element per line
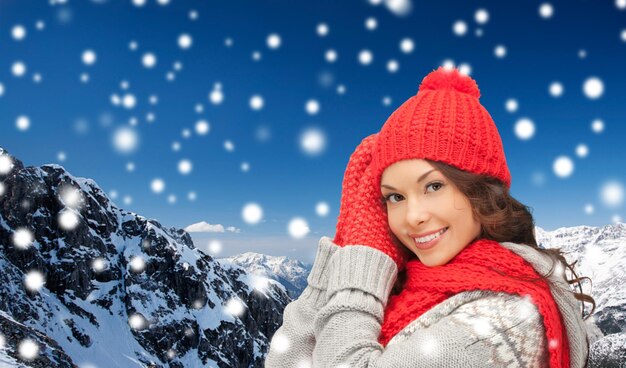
<point>416,213</point>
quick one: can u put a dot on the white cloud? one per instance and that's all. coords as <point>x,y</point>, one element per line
<point>232,229</point>
<point>205,227</point>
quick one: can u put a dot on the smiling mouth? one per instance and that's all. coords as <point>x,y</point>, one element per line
<point>431,237</point>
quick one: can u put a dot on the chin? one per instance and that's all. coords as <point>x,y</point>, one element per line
<point>429,262</point>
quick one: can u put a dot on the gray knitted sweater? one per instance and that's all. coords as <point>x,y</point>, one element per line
<point>337,319</point>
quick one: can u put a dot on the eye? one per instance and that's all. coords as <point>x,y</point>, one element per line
<point>435,185</point>
<point>392,197</point>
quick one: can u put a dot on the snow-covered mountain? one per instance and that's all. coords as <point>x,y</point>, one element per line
<point>119,290</point>
<point>291,273</point>
<point>600,254</point>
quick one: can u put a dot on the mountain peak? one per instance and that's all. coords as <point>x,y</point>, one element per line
<point>117,278</point>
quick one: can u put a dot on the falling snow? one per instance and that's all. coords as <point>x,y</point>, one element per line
<point>22,123</point>
<point>125,140</point>
<point>71,196</point>
<point>6,164</point>
<point>171,199</point>
<point>34,280</point>
<point>459,28</point>
<point>465,69</point>
<point>563,166</point>
<point>524,129</point>
<point>89,57</point>
<point>99,264</point>
<point>215,247</point>
<point>256,102</point>
<point>322,209</point>
<point>137,322</point>
<point>322,29</point>
<point>137,264</point>
<point>234,307</point>
<point>252,213</point>
<point>365,57</point>
<point>260,283</point>
<point>481,16</point>
<point>184,167</point>
<point>331,56</point>
<point>157,185</point>
<point>28,349</point>
<point>556,89</point>
<point>68,220</point>
<point>546,10</point>
<point>407,45</point>
<point>18,32</point>
<point>312,107</point>
<point>216,96</point>
<point>593,88</point>
<point>582,150</point>
<point>392,66</point>
<point>280,343</point>
<point>511,105</point>
<point>400,8</point>
<point>185,41</point>
<point>149,60</point>
<point>612,193</point>
<point>273,41</point>
<point>448,64</point>
<point>202,127</point>
<point>129,101</point>
<point>313,141</point>
<point>597,126</point>
<point>371,23</point>
<point>500,51</point>
<point>298,228</point>
<point>23,238</point>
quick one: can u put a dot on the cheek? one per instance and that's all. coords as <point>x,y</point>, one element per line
<point>393,220</point>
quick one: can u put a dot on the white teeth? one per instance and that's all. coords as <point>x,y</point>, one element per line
<point>428,238</point>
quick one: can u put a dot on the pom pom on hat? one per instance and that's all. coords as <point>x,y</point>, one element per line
<point>443,78</point>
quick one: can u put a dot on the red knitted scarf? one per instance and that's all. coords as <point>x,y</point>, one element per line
<point>476,268</point>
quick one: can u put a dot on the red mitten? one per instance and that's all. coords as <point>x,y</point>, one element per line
<point>362,214</point>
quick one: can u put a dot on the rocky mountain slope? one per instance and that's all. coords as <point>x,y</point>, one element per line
<point>86,283</point>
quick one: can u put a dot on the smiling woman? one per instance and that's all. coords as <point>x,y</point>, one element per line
<point>431,218</point>
<point>426,208</point>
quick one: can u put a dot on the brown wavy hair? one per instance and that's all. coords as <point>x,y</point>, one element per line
<point>503,219</point>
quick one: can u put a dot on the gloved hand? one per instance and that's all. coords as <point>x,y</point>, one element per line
<point>362,213</point>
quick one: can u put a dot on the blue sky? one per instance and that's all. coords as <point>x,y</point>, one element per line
<point>78,118</point>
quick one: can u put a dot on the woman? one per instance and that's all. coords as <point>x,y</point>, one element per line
<point>426,208</point>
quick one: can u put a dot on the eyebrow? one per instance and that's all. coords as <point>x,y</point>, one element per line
<point>418,180</point>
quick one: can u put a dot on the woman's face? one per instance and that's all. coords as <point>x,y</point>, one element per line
<point>420,200</point>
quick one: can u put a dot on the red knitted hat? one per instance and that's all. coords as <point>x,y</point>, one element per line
<point>444,122</point>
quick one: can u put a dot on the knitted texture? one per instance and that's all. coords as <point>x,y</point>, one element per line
<point>443,122</point>
<point>508,327</point>
<point>359,160</point>
<point>362,214</point>
<point>478,328</point>
<point>482,265</point>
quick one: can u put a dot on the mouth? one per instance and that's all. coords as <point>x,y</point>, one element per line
<point>429,240</point>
